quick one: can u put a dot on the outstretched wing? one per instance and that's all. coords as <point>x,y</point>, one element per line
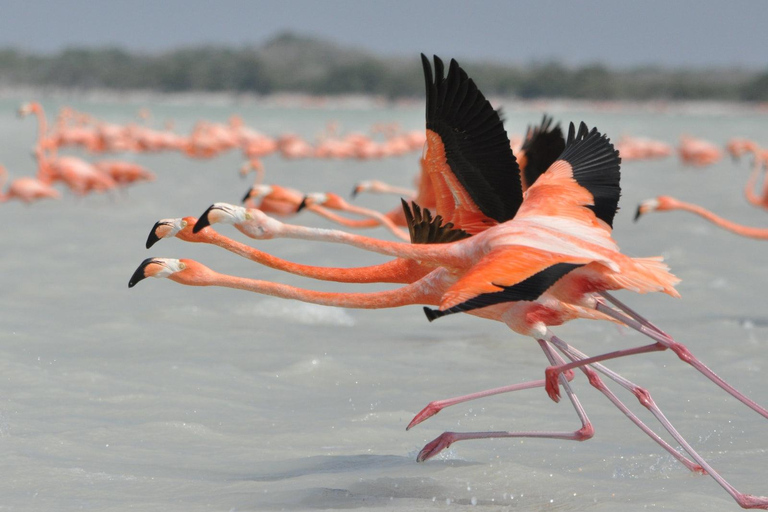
<point>584,180</point>
<point>543,145</point>
<point>475,176</point>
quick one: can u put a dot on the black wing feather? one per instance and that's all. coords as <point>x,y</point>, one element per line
<point>476,144</point>
<point>528,289</point>
<point>595,163</point>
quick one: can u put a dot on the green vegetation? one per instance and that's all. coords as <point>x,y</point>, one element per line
<point>291,63</point>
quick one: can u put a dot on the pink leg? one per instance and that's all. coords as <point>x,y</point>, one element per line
<point>681,351</point>
<point>552,372</point>
<point>438,405</point>
<point>586,431</point>
<point>744,500</point>
<point>595,381</point>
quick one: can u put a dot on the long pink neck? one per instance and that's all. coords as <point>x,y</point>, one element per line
<point>396,271</point>
<point>338,219</point>
<point>452,255</point>
<point>759,233</point>
<point>374,219</point>
<point>414,293</point>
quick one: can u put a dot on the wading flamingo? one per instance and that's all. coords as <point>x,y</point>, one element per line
<point>667,203</point>
<point>25,189</point>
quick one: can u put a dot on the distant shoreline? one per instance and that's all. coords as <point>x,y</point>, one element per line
<point>368,102</point>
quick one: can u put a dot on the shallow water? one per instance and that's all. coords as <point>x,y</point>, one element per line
<point>169,398</point>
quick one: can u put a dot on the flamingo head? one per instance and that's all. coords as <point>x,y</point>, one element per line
<point>327,199</point>
<point>165,228</point>
<point>250,221</point>
<point>28,108</point>
<point>313,198</point>
<point>257,192</point>
<point>363,186</point>
<point>657,204</point>
<point>156,267</point>
<point>220,213</point>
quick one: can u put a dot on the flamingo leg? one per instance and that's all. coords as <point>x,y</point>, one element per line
<point>552,372</point>
<point>438,405</point>
<point>644,397</point>
<point>586,431</point>
<point>681,350</point>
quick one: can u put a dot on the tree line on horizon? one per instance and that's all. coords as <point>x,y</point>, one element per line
<point>295,64</point>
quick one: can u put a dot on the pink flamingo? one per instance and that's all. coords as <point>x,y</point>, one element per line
<point>26,189</point>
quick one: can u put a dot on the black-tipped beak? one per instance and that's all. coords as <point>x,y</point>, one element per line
<point>638,212</point>
<point>302,205</point>
<point>203,221</point>
<point>247,195</point>
<point>355,191</point>
<point>152,239</point>
<point>138,275</point>
<point>432,314</point>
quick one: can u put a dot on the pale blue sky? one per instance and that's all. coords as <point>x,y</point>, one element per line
<point>672,33</point>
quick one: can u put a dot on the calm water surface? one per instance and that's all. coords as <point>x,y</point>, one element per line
<point>165,397</point>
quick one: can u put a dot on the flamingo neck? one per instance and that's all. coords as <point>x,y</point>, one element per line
<point>395,271</point>
<point>450,255</point>
<point>338,219</point>
<point>416,293</point>
<point>375,219</point>
<point>739,229</point>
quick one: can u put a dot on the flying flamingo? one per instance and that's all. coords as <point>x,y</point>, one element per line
<point>667,203</point>
<point>601,206</point>
<point>25,189</point>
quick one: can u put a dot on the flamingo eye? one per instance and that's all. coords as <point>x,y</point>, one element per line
<point>182,266</point>
<point>183,224</point>
<point>248,215</point>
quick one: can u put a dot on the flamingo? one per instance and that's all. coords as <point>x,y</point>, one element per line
<point>698,152</point>
<point>26,189</point>
<point>124,173</point>
<point>80,176</point>
<point>586,205</point>
<point>667,203</point>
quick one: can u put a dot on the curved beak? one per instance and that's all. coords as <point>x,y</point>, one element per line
<point>139,274</point>
<point>638,212</point>
<point>203,221</point>
<point>219,212</point>
<point>247,195</point>
<point>302,205</point>
<point>356,191</point>
<point>152,239</point>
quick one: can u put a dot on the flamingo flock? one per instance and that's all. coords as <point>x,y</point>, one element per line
<point>73,129</point>
<point>755,192</point>
<point>522,237</point>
